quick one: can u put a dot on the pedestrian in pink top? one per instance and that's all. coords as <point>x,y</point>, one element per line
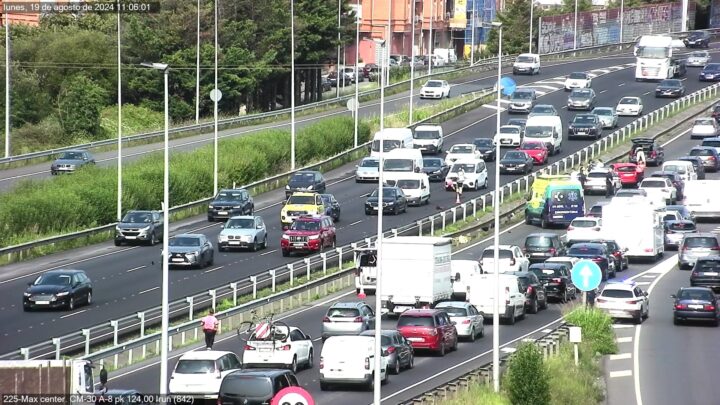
<point>210,326</point>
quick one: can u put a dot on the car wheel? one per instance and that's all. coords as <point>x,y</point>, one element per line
<point>396,210</point>
<point>411,362</point>
<point>334,243</point>
<point>543,223</point>
<point>396,369</point>
<point>254,246</point>
<point>118,243</point>
<point>221,249</point>
<point>264,245</point>
<point>324,386</point>
<point>637,319</point>
<point>88,298</point>
<point>485,183</point>
<point>441,352</point>
<point>564,298</point>
<point>153,239</point>
<point>544,303</point>
<point>676,321</point>
<point>310,361</point>
<point>211,261</point>
<point>71,303</point>
<point>293,366</point>
<point>455,344</point>
<point>511,320</point>
<point>535,306</point>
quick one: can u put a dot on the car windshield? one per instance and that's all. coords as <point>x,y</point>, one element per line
<point>517,121</point>
<point>546,273</point>
<point>583,251</point>
<point>653,184</point>
<point>408,184</point>
<point>433,83</point>
<point>699,295</point>
<point>370,163</point>
<point>583,223</point>
<point>539,132</point>
<point>526,59</point>
<point>578,75</point>
<point>398,165</point>
<point>615,293</point>
<point>597,175</point>
<point>415,321</point>
<point>583,119</point>
<point>427,135</point>
<point>305,226</point>
<point>580,93</point>
<point>714,144</point>
<point>455,311</point>
<point>543,109</point>
<point>184,241</point>
<point>514,155</point>
<point>387,192</point>
<point>302,179</point>
<point>432,162</point>
<point>629,100</point>
<point>228,196</point>
<point>522,95</point>
<point>674,168</point>
<point>509,130</point>
<point>532,146</point>
<point>698,54</point>
<point>704,121</point>
<point>700,242</point>
<point>538,241</point>
<point>326,198</point>
<point>240,223</point>
<point>712,66</point>
<point>195,367</point>
<point>71,156</point>
<point>602,111</point>
<point>502,253</point>
<point>626,169</point>
<point>483,142</point>
<point>301,200</point>
<point>137,218</point>
<point>707,265</point>
<point>701,152</point>
<point>388,145</point>
<point>670,83</point>
<point>246,386</point>
<point>53,279</point>
<point>630,193</point>
<point>466,167</point>
<point>343,312</point>
<point>461,149</point>
<point>596,209</point>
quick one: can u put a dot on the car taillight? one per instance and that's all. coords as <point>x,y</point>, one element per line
<point>326,319</point>
<point>600,300</point>
<point>557,280</point>
<point>524,250</point>
<point>391,349</point>
<point>709,307</point>
<point>617,254</point>
<point>367,363</point>
<point>598,259</point>
<point>285,348</point>
<point>715,248</point>
<point>322,363</point>
<point>553,251</point>
<point>685,248</point>
<point>507,295</point>
<point>530,289</point>
<point>632,302</point>
<point>432,332</point>
<point>694,274</point>
<point>248,347</point>
<point>680,306</point>
<point>512,262</point>
<point>358,319</point>
<point>466,322</point>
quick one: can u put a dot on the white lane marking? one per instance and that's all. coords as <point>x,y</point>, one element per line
<point>562,83</point>
<point>643,283</point>
<point>622,326</point>
<point>626,339</point>
<point>540,92</point>
<point>650,276</point>
<point>268,252</point>
<point>72,314</point>
<point>621,84</point>
<point>646,93</point>
<point>211,270</point>
<point>135,268</point>
<point>621,373</point>
<point>680,135</point>
<point>547,331</point>
<point>551,88</point>
<point>621,356</point>
<point>354,223</point>
<point>508,350</point>
<point>493,107</point>
<point>602,91</point>
<point>148,290</point>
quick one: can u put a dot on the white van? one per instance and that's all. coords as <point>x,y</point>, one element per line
<point>428,138</point>
<point>350,360</point>
<point>481,291</point>
<point>462,271</point>
<point>403,160</point>
<point>685,169</point>
<point>547,129</point>
<point>527,63</point>
<point>702,198</point>
<point>393,138</point>
<point>416,186</point>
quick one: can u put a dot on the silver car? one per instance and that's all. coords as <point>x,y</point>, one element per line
<point>468,320</point>
<point>190,250</point>
<point>367,170</point>
<point>71,160</point>
<point>608,116</point>
<point>245,231</point>
<point>347,318</point>
<point>695,246</point>
<point>698,59</point>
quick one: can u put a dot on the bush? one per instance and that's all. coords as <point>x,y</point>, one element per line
<point>570,384</point>
<point>596,329</point>
<point>135,119</point>
<point>479,394</point>
<point>527,380</point>
<point>85,199</point>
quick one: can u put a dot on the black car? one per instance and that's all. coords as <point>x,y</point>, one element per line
<point>710,73</point>
<point>697,39</point>
<point>697,164</point>
<point>598,253</point>
<point>542,246</point>
<point>332,206</point>
<point>676,180</point>
<point>486,147</point>
<point>333,79</point>
<point>253,386</point>
<point>534,290</point>
<point>709,156</point>
<point>401,354</point>
<point>305,180</point>
<point>435,168</point>
<point>670,88</point>
<point>61,288</point>
<point>675,231</point>
<point>706,272</point>
<point>618,253</point>
<point>556,279</point>
<point>191,250</point>
<point>140,226</point>
<point>326,85</point>
<point>695,304</point>
<point>585,125</point>
<point>654,152</point>
<point>394,201</point>
<point>518,122</point>
<point>229,203</point>
<point>715,113</point>
<point>516,161</point>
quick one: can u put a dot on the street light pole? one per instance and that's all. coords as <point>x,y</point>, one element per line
<point>575,36</point>
<point>215,106</point>
<point>119,125</point>
<point>197,68</point>
<point>472,34</point>
<point>337,64</point>
<point>388,41</point>
<point>292,82</point>
<point>357,74</point>
<point>430,39</point>
<point>7,86</point>
<point>496,231</point>
<point>622,19</point>
<point>532,6</point>
<point>412,63</point>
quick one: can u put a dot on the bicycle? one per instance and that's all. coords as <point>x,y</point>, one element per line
<point>264,328</point>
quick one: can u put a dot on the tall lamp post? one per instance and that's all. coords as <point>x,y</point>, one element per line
<point>575,36</point>
<point>119,127</point>
<point>622,19</point>
<point>164,323</point>
<point>496,210</point>
<point>412,64</point>
<point>337,64</point>
<point>472,34</point>
<point>215,100</point>
<point>197,68</point>
<point>430,39</point>
<point>292,82</point>
<point>532,7</point>
<point>357,74</point>
<point>7,86</point>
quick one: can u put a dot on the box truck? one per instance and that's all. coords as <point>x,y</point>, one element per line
<point>637,225</point>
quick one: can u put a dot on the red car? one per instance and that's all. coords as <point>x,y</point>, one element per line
<point>629,173</point>
<point>429,329</point>
<point>308,234</point>
<point>537,150</point>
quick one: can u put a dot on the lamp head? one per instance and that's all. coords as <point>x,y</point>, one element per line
<point>158,66</point>
<point>497,24</point>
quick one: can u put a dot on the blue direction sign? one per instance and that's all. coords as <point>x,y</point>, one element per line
<point>507,86</point>
<point>586,275</point>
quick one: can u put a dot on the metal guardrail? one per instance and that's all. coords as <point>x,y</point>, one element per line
<point>113,330</point>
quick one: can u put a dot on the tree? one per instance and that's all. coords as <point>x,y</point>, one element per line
<point>79,105</point>
<point>515,28</point>
<point>527,379</point>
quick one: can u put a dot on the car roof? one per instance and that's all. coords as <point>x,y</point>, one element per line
<point>546,265</point>
<point>588,244</point>
<point>348,304</point>
<point>257,372</point>
<point>702,235</point>
<point>384,332</point>
<point>452,304</point>
<point>188,235</point>
<point>204,355</point>
<point>75,150</point>
<point>245,217</point>
<point>64,271</point>
<point>302,193</point>
<point>311,218</point>
<point>620,286</point>
<point>543,234</point>
<point>421,312</point>
<point>699,147</point>
<point>307,172</point>
<point>562,259</point>
<point>502,247</point>
<point>586,219</point>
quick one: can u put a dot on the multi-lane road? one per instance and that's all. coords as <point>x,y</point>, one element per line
<point>126,281</point>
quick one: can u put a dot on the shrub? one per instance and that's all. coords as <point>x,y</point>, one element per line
<point>596,329</point>
<point>570,384</point>
<point>527,380</point>
<point>479,394</point>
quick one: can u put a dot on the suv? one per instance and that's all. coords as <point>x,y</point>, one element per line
<point>140,226</point>
<point>624,300</point>
<point>676,180</point>
<point>229,203</point>
<point>347,318</point>
<point>511,259</point>
<point>675,231</point>
<point>305,180</point>
<point>429,329</point>
<point>428,138</point>
<point>522,101</point>
<point>309,234</point>
<point>199,373</point>
<point>708,155</point>
<point>534,290</point>
<point>543,245</point>
<point>706,273</point>
<point>243,232</point>
<point>697,39</point>
<point>697,164</point>
<point>654,152</point>
<point>598,253</point>
<point>695,246</point>
<point>556,279</point>
<point>585,125</point>
<point>254,386</point>
<point>300,204</point>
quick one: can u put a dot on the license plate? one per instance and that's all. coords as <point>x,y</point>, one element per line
<point>130,237</point>
<point>265,349</point>
<point>375,208</point>
<point>414,339</point>
<point>234,242</point>
<point>505,141</point>
<point>176,259</point>
<point>537,254</point>
<point>42,302</point>
<point>222,212</point>
<point>711,273</point>
<point>695,306</point>
<point>298,244</point>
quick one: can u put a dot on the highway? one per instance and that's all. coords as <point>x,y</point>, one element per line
<point>126,281</point>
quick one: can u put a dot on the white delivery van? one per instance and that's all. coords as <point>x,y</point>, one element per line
<point>416,186</point>
<point>636,224</point>
<point>350,360</point>
<point>403,161</point>
<point>527,63</point>
<point>702,198</point>
<point>428,138</point>
<point>481,292</point>
<point>365,270</point>
<point>393,138</point>
<point>685,169</point>
<point>547,129</point>
<point>416,272</point>
<point>462,270</point>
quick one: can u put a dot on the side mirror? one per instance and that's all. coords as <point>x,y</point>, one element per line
<point>259,227</point>
<point>673,296</point>
<point>308,337</point>
<point>30,284</point>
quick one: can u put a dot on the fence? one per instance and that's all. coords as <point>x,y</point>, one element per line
<point>137,323</point>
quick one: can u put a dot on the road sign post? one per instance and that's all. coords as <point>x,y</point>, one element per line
<point>586,276</point>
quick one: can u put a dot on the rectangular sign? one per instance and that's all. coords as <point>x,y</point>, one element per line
<point>459,18</point>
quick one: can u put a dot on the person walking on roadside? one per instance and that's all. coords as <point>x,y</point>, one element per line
<point>609,184</point>
<point>210,326</point>
<point>459,184</point>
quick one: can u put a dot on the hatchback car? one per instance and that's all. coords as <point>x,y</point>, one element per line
<point>367,170</point>
<point>654,152</point>
<point>710,73</point>
<point>522,101</point>
<point>461,151</point>
<point>534,290</point>
<point>347,318</point>
<point>509,135</point>
<point>607,115</point>
<point>486,147</point>
<point>595,181</point>
<point>516,161</point>
<point>624,301</point>
<point>400,353</point>
<point>556,279</point>
<point>543,109</point>
<point>581,99</point>
<point>538,151</point>
<point>598,253</point>
<point>191,250</point>
<point>682,210</point>
<point>435,89</point>
<point>670,88</point>
<point>519,122</point>
<point>468,320</point>
<point>435,168</point>
<point>629,173</point>
<point>659,189</point>
<point>290,348</point>
<point>428,329</point>
<point>305,180</point>
<point>697,164</point>
<point>247,232</point>
<point>309,234</point>
<point>695,304</point>
<point>630,106</point>
<point>583,228</point>
<point>578,80</point>
<point>704,128</point>
<point>709,156</point>
<point>698,39</point>
<point>62,288</point>
<point>71,160</point>
<point>706,273</point>
<point>698,59</point>
<point>254,386</point>
<point>676,180</point>
<point>541,246</point>
<point>229,203</point>
<point>695,246</point>
<point>596,210</point>
<point>676,230</point>
<point>394,201</point>
<point>200,373</point>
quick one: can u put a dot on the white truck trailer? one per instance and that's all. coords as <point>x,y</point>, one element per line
<point>637,225</point>
<point>47,381</point>
<point>702,198</point>
<point>416,272</point>
<point>654,58</point>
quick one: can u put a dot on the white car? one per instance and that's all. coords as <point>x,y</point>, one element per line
<point>527,63</point>
<point>624,300</point>
<point>595,181</point>
<point>428,138</point>
<point>284,350</point>
<point>435,89</point>
<point>659,189</point>
<point>367,170</point>
<point>578,80</point>
<point>512,259</point>
<point>199,373</point>
<point>509,135</point>
<point>630,106</point>
<point>476,174</point>
<point>462,151</point>
<point>607,115</point>
<point>583,228</point>
<point>704,128</point>
<point>698,59</point>
<point>468,320</point>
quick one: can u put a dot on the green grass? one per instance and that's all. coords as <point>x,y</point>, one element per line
<point>479,394</point>
<point>596,329</point>
<point>570,384</point>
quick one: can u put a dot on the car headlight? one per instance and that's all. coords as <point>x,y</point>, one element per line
<point>286,237</point>
<point>236,207</point>
<point>247,238</point>
<point>147,228</point>
<point>62,294</point>
<point>502,165</point>
<point>222,238</point>
<point>117,228</point>
<point>191,255</point>
<point>313,237</point>
<point>521,165</point>
<point>287,187</point>
<point>210,206</point>
<point>27,294</point>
